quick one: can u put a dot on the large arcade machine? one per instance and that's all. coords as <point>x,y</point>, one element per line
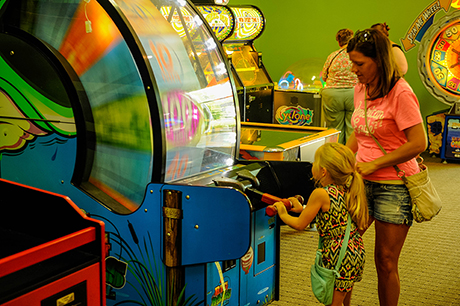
<point>129,109</point>
<point>439,69</point>
<point>236,28</point>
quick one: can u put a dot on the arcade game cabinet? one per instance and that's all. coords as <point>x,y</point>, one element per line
<point>297,95</point>
<point>236,28</point>
<point>128,107</point>
<point>439,69</point>
<point>451,144</point>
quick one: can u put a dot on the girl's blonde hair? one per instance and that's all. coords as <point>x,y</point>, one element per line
<point>340,162</point>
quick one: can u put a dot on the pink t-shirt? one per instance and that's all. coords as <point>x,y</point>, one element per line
<point>387,118</point>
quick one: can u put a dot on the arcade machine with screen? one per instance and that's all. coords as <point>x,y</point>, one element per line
<point>439,69</point>
<point>297,95</point>
<point>129,109</point>
<point>236,27</point>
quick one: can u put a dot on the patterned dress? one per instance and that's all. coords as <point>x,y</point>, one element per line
<point>332,226</point>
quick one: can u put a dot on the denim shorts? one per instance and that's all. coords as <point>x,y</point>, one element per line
<point>389,203</point>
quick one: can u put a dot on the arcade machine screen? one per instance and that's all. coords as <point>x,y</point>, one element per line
<point>254,85</point>
<point>439,68</point>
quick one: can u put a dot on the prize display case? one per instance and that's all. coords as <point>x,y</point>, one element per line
<point>297,96</point>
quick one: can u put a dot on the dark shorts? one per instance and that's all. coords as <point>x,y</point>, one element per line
<point>389,203</point>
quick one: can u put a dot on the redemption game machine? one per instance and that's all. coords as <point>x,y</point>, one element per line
<point>297,95</point>
<point>236,28</point>
<point>129,109</point>
<point>439,69</point>
<point>296,131</point>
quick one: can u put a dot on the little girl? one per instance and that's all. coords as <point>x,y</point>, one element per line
<point>340,193</point>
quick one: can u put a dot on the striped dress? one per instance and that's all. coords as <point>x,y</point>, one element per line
<point>331,226</point>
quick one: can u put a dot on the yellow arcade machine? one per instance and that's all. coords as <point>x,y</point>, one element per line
<point>236,28</point>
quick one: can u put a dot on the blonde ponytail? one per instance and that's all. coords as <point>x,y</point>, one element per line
<point>340,162</point>
<point>357,202</point>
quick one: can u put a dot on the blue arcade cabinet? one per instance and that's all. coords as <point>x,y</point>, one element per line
<point>450,149</point>
<point>130,109</point>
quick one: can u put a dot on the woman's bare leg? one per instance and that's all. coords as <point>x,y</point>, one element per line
<point>389,240</point>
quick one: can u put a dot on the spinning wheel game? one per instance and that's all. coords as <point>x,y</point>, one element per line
<point>440,59</point>
<point>439,68</point>
<point>128,108</point>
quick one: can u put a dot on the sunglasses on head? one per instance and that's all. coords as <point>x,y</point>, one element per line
<point>364,36</point>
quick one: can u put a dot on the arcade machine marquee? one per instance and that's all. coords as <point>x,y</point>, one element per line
<point>129,108</point>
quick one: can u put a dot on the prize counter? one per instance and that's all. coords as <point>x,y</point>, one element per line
<point>129,108</point>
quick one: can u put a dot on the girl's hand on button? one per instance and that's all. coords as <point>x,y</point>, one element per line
<point>280,207</point>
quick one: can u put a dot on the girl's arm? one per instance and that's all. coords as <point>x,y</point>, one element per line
<point>416,143</point>
<point>319,199</point>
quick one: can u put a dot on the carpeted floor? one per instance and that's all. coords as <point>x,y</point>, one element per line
<point>429,265</point>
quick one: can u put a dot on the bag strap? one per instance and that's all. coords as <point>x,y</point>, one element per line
<point>401,173</point>
<point>343,249</point>
<point>330,64</point>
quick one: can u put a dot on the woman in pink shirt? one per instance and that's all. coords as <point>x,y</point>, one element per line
<point>394,119</point>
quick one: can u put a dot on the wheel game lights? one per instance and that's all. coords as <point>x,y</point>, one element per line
<point>439,69</point>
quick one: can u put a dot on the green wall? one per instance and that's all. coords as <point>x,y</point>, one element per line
<point>300,29</point>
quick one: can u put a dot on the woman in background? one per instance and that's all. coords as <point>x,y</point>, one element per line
<point>337,95</point>
<point>398,53</point>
